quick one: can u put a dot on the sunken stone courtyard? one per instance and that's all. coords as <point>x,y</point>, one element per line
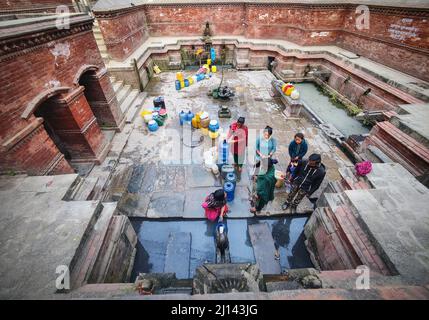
<point>117,128</point>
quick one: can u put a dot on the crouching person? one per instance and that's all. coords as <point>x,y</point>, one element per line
<point>309,175</point>
<point>215,206</point>
<point>265,185</point>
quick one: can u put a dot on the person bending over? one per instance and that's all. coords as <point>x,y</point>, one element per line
<point>309,175</point>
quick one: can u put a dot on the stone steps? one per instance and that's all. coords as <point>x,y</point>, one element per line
<point>115,259</point>
<point>100,42</point>
<point>129,98</point>
<point>102,47</point>
<point>85,190</point>
<point>123,93</point>
<point>88,254</point>
<point>117,85</point>
<point>135,107</point>
<point>178,254</point>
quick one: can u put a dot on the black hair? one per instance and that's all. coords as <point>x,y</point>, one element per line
<point>241,120</point>
<point>315,157</point>
<point>219,194</point>
<point>299,135</point>
<point>269,130</point>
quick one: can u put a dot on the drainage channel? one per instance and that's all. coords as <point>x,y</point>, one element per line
<point>181,246</point>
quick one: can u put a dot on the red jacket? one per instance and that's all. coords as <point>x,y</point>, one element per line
<point>240,138</point>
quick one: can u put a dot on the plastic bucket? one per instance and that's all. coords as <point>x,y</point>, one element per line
<point>227,168</point>
<point>231,177</point>
<point>147,118</point>
<point>153,125</point>
<point>213,135</point>
<point>289,90</point>
<point>280,181</point>
<point>204,131</point>
<point>205,122</point>
<point>229,188</point>
<point>214,125</point>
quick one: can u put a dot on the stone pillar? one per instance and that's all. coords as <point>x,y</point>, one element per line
<point>72,120</point>
<point>102,100</point>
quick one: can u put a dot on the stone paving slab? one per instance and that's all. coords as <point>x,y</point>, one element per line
<point>58,183</point>
<point>198,176</point>
<point>178,254</point>
<point>134,204</point>
<point>240,206</point>
<point>39,232</point>
<point>263,248</point>
<point>166,205</point>
<point>194,198</point>
<point>170,178</point>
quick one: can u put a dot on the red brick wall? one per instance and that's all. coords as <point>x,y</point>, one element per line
<point>25,76</point>
<point>190,20</point>
<point>301,25</point>
<point>397,37</point>
<point>124,33</point>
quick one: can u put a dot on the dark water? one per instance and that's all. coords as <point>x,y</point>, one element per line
<point>153,237</point>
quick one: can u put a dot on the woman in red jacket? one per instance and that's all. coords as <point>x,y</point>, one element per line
<point>237,137</point>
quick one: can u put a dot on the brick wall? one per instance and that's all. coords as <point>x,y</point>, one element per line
<point>28,77</point>
<point>124,33</point>
<point>397,37</point>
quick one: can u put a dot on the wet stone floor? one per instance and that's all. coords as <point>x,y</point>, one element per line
<point>169,179</point>
<point>169,182</point>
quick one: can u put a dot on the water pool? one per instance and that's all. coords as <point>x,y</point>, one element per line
<point>328,112</point>
<point>153,238</point>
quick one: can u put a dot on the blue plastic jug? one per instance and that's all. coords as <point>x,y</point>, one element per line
<point>224,151</point>
<point>231,177</point>
<point>229,188</point>
<point>182,117</point>
<point>212,54</point>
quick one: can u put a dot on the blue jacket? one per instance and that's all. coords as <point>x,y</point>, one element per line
<point>265,146</point>
<point>298,150</point>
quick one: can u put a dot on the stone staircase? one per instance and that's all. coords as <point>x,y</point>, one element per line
<point>130,100</point>
<point>335,238</point>
<point>100,42</point>
<point>86,257</point>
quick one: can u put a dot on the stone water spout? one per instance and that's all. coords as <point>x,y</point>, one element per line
<point>222,243</point>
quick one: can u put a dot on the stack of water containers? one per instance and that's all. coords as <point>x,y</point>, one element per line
<point>228,171</point>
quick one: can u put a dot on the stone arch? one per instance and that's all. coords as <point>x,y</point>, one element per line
<point>100,96</point>
<point>82,70</point>
<point>40,98</point>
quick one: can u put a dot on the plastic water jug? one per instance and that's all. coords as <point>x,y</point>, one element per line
<point>231,177</point>
<point>229,188</point>
<point>182,117</point>
<point>223,152</point>
<point>153,126</point>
